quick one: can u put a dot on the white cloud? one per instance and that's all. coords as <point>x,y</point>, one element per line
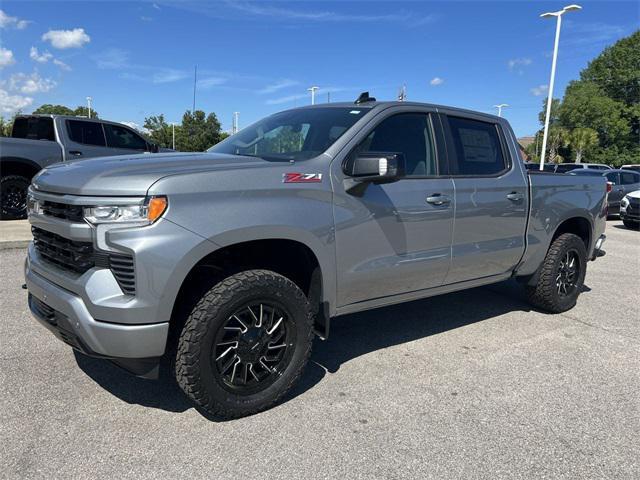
<point>29,84</point>
<point>145,18</point>
<point>540,90</point>
<point>135,126</point>
<point>61,64</point>
<point>279,85</point>
<point>10,104</point>
<point>63,39</point>
<point>36,56</point>
<point>6,57</point>
<point>7,21</point>
<point>156,6</point>
<point>211,82</point>
<point>287,99</point>
<point>518,64</point>
<point>435,81</point>
<point>168,76</point>
<point>113,58</point>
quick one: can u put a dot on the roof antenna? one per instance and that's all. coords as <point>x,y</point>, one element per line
<point>364,97</point>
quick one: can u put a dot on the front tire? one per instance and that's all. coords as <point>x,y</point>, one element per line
<point>13,197</point>
<point>244,344</point>
<point>561,275</point>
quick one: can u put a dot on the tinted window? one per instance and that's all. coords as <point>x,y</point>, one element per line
<point>627,178</point>
<point>598,167</point>
<point>565,168</point>
<point>586,172</point>
<point>88,133</point>
<point>35,128</point>
<point>406,133</point>
<point>477,147</point>
<point>120,137</point>
<point>611,177</point>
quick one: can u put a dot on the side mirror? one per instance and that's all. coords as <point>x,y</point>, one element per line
<point>372,167</point>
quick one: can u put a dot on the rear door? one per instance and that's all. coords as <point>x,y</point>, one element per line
<point>617,190</point>
<point>84,139</point>
<point>491,199</point>
<point>394,238</point>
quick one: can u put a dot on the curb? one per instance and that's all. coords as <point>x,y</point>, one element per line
<point>14,244</point>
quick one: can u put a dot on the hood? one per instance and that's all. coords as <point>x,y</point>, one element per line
<point>131,175</point>
<point>634,194</point>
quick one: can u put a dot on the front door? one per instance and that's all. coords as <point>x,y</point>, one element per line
<point>394,238</point>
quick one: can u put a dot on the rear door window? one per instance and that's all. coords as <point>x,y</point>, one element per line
<point>628,178</point>
<point>87,133</point>
<point>613,177</point>
<point>478,149</point>
<point>121,137</point>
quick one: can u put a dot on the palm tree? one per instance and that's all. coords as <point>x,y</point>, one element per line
<point>558,138</point>
<point>582,139</point>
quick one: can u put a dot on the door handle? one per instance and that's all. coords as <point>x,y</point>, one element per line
<point>438,199</point>
<point>76,153</point>
<point>515,196</point>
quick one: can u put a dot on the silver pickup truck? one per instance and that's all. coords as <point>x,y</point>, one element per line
<point>38,141</point>
<point>226,263</point>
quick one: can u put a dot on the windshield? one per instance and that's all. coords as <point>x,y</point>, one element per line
<point>292,135</point>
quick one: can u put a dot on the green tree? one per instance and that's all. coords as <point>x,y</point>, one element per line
<point>558,138</point>
<point>81,111</point>
<point>50,109</point>
<point>582,139</point>
<point>160,132</point>
<point>554,117</point>
<point>197,132</point>
<point>6,126</point>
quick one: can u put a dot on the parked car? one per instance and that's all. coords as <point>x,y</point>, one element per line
<point>40,140</point>
<point>635,168</point>
<point>569,167</point>
<point>630,210</point>
<point>227,262</point>
<point>622,182</point>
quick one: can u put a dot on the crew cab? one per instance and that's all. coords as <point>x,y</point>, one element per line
<point>224,264</point>
<point>38,141</point>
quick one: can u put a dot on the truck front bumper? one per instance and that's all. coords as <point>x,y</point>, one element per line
<point>136,348</point>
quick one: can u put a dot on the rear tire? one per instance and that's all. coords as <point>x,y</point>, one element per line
<point>244,344</point>
<point>631,225</point>
<point>13,197</point>
<point>561,275</point>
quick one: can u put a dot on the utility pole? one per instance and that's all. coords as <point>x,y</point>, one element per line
<point>234,124</point>
<point>195,81</point>
<point>89,106</point>
<point>173,134</point>
<point>313,94</point>
<point>500,107</point>
<point>558,16</point>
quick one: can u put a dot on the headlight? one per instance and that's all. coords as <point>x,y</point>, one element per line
<point>144,214</point>
<point>625,202</point>
<point>33,205</point>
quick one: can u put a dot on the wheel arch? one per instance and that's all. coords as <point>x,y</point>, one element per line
<point>19,166</point>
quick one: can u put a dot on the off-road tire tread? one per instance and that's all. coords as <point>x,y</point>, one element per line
<point>6,178</point>
<point>188,352</point>
<point>544,294</point>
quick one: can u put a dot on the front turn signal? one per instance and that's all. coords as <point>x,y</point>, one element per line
<point>156,207</point>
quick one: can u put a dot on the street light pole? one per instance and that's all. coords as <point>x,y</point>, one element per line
<point>173,134</point>
<point>558,16</point>
<point>89,106</point>
<point>313,94</point>
<point>500,107</point>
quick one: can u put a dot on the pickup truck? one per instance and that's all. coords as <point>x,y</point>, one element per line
<point>38,141</point>
<point>222,265</point>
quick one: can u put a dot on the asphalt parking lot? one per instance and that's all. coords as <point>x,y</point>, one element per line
<point>468,385</point>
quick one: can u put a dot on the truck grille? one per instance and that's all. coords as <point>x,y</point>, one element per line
<point>79,257</point>
<point>62,210</point>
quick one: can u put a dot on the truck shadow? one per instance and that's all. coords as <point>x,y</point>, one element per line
<point>351,336</point>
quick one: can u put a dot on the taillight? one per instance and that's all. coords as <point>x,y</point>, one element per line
<point>609,186</point>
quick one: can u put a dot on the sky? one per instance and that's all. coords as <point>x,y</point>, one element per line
<point>137,59</point>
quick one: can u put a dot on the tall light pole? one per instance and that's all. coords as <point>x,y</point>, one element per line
<point>89,106</point>
<point>234,124</point>
<point>313,94</point>
<point>173,134</point>
<point>500,107</point>
<point>558,16</point>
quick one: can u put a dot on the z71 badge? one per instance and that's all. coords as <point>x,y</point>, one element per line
<point>302,178</point>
